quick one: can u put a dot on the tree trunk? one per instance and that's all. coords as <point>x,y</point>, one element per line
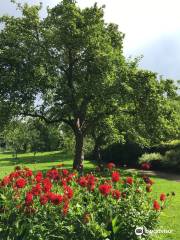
<point>79,153</point>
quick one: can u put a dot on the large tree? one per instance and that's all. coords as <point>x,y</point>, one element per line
<point>69,61</point>
<point>68,67</point>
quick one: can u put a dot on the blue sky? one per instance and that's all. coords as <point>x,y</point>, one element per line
<point>151,27</point>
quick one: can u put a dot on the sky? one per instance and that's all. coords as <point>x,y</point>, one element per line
<point>151,27</point>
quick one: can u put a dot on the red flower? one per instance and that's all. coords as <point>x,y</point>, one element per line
<point>64,182</point>
<point>145,166</point>
<point>14,175</point>
<point>29,199</point>
<point>68,192</point>
<point>115,176</point>
<point>156,205</point>
<point>116,194</point>
<point>105,189</point>
<point>53,174</point>
<point>20,183</point>
<point>162,197</point>
<point>56,199</point>
<point>82,181</point>
<point>65,208</point>
<point>46,185</point>
<point>28,172</point>
<point>70,177</point>
<point>111,165</point>
<point>38,176</point>
<point>5,181</point>
<point>65,172</point>
<point>36,190</point>
<point>129,180</point>
<point>43,199</point>
<point>91,181</point>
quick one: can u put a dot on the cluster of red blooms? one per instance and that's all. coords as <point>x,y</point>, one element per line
<point>156,205</point>
<point>111,165</point>
<point>115,176</point>
<point>145,166</point>
<point>106,189</point>
<point>39,188</point>
<point>88,181</point>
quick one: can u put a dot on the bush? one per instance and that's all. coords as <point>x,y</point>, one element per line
<point>148,157</point>
<point>123,154</point>
<point>62,205</point>
<point>171,160</point>
<point>154,159</point>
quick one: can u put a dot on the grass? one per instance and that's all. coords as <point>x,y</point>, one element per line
<point>170,218</point>
<point>42,161</point>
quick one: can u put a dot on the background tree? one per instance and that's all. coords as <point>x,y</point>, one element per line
<point>16,136</point>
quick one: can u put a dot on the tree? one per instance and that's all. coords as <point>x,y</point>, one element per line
<point>70,60</point>
<point>16,135</point>
<point>151,115</point>
<point>73,63</point>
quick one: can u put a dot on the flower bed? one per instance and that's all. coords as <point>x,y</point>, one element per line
<point>59,204</point>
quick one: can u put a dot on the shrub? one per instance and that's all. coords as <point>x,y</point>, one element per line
<point>154,159</point>
<point>148,157</point>
<point>123,154</point>
<point>171,160</point>
<point>62,205</point>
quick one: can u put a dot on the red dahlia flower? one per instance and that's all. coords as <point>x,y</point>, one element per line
<point>43,199</point>
<point>14,175</point>
<point>68,192</point>
<point>56,199</point>
<point>5,181</point>
<point>115,176</point>
<point>162,197</point>
<point>38,176</point>
<point>156,205</point>
<point>20,183</point>
<point>111,165</point>
<point>36,190</point>
<point>129,180</point>
<point>46,185</point>
<point>29,199</point>
<point>91,181</point>
<point>116,194</point>
<point>145,166</point>
<point>105,189</point>
<point>53,174</point>
<point>65,208</point>
<point>82,181</point>
<point>65,172</point>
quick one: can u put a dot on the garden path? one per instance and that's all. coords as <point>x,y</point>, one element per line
<point>165,175</point>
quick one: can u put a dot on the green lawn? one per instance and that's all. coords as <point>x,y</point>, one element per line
<point>170,218</point>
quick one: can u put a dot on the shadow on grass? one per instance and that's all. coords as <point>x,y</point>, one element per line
<point>50,157</point>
